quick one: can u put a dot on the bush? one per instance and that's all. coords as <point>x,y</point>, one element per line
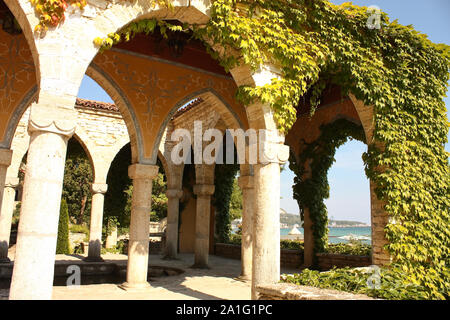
<point>79,228</point>
<point>62,244</point>
<point>236,239</point>
<point>391,284</point>
<point>120,248</point>
<point>292,245</point>
<point>356,249</point>
<point>351,249</point>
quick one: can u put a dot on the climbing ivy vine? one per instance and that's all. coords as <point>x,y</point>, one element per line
<point>224,176</point>
<point>395,69</point>
<point>316,158</point>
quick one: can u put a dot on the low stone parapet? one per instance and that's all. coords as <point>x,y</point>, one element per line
<point>288,291</point>
<point>294,258</point>
<point>327,261</point>
<point>288,258</point>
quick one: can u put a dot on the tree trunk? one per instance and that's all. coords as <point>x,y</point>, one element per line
<point>83,207</point>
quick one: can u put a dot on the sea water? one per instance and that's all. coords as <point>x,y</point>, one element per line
<point>339,235</point>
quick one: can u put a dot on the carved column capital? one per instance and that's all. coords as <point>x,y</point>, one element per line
<point>174,193</point>
<point>246,182</point>
<point>99,188</point>
<point>143,171</point>
<point>5,157</point>
<point>204,189</point>
<point>12,182</point>
<point>49,118</point>
<point>273,152</point>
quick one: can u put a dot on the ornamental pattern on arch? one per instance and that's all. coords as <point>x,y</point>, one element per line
<point>16,70</point>
<point>155,91</point>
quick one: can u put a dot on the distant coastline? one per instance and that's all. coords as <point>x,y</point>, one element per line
<point>362,225</point>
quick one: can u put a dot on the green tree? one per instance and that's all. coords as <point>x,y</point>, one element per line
<point>159,198</point>
<point>224,179</point>
<point>118,196</point>
<point>62,244</point>
<point>77,182</point>
<point>236,201</point>
<point>120,191</point>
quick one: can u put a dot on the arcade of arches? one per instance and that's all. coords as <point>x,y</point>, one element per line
<point>148,84</point>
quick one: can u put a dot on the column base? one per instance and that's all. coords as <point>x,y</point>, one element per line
<point>244,278</point>
<point>5,260</point>
<point>93,259</point>
<point>133,287</point>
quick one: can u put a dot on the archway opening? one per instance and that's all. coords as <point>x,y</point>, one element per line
<point>349,201</point>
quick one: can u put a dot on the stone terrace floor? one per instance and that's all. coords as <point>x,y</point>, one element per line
<point>217,283</point>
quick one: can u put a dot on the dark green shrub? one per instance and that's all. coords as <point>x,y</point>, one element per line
<point>62,244</point>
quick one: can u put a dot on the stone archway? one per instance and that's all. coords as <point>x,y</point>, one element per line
<point>308,130</point>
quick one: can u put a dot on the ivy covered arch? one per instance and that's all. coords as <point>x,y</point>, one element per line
<point>311,168</point>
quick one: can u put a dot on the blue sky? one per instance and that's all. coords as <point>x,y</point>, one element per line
<point>349,188</point>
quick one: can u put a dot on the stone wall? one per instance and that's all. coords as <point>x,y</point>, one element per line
<point>101,130</point>
<point>326,261</point>
<point>288,258</point>
<point>287,291</point>
<point>294,258</point>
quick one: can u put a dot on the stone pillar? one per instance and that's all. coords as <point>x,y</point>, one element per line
<point>173,204</point>
<point>50,127</point>
<point>202,224</point>
<point>266,217</point>
<point>138,246</point>
<point>111,239</point>
<point>379,220</point>
<point>248,204</point>
<point>95,230</point>
<point>308,237</point>
<point>7,211</point>
<point>5,161</point>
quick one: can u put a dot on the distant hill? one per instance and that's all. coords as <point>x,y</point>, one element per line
<point>348,223</point>
<point>291,219</point>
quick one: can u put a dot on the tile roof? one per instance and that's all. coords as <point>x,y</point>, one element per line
<point>187,107</point>
<point>96,105</point>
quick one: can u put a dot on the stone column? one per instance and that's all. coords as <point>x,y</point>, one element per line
<point>308,237</point>
<point>379,220</point>
<point>138,246</point>
<point>111,239</point>
<point>266,217</point>
<point>202,221</point>
<point>7,211</point>
<point>50,127</point>
<point>5,161</point>
<point>173,204</point>
<point>248,204</point>
<point>95,230</point>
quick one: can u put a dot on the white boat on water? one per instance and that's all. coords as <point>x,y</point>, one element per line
<point>294,231</point>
